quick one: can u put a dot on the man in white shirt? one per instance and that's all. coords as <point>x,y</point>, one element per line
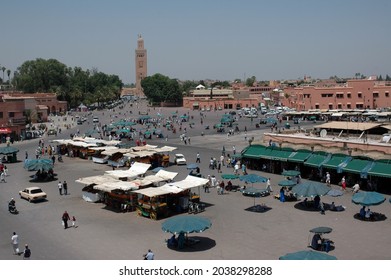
<point>150,255</point>
<point>15,243</point>
<point>356,188</point>
<point>269,185</point>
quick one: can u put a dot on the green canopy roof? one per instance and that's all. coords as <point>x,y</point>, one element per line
<point>336,161</point>
<point>281,154</point>
<point>380,169</point>
<point>316,159</point>
<point>300,156</point>
<point>359,166</point>
<point>254,151</point>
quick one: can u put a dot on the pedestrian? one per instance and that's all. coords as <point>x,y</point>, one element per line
<point>198,160</point>
<point>2,177</point>
<point>219,167</point>
<point>53,159</point>
<point>27,155</point>
<point>74,222</point>
<point>5,170</point>
<point>222,160</point>
<point>65,218</point>
<point>26,252</point>
<point>343,183</point>
<point>328,178</point>
<point>269,185</point>
<point>233,150</point>
<point>149,256</point>
<point>65,187</point>
<point>244,169</point>
<point>59,187</point>
<point>15,243</point>
<point>188,139</point>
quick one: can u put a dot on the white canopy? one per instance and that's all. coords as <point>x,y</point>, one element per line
<point>109,186</point>
<point>165,149</point>
<point>98,179</point>
<point>158,177</point>
<point>200,86</point>
<point>135,170</point>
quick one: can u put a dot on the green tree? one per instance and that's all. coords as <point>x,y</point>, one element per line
<point>250,81</point>
<point>159,88</point>
<point>187,86</point>
<point>3,69</point>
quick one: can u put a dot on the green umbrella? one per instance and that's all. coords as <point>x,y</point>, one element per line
<point>186,224</point>
<point>290,173</point>
<point>38,164</point>
<point>368,198</point>
<point>310,189</point>
<point>287,183</point>
<point>229,176</point>
<point>307,255</point>
<point>8,150</point>
<point>321,230</point>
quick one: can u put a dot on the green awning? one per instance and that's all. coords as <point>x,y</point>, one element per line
<point>380,169</point>
<point>336,161</point>
<point>281,154</point>
<point>299,156</point>
<point>254,151</point>
<point>316,160</point>
<point>359,166</point>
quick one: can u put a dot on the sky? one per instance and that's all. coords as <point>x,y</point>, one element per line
<point>202,39</point>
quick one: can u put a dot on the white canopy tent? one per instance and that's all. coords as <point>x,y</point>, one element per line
<point>135,170</point>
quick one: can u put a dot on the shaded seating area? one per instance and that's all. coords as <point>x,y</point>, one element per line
<point>375,217</point>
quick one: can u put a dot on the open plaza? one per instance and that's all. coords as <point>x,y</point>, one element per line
<point>236,233</point>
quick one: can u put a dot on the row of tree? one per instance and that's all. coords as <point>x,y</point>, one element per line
<point>73,85</point>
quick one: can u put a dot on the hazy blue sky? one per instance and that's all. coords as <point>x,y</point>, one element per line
<point>279,39</point>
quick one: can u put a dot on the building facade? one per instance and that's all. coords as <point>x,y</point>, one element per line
<point>354,94</point>
<point>140,64</point>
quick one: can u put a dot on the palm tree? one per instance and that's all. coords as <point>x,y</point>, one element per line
<point>3,69</point>
<point>9,74</point>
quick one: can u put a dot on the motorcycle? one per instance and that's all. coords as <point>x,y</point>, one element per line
<point>59,158</point>
<point>12,209</point>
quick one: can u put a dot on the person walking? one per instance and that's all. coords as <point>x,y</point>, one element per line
<point>343,183</point>
<point>269,185</point>
<point>198,160</point>
<point>26,252</point>
<point>15,243</point>
<point>65,218</point>
<point>65,187</point>
<point>59,187</point>
<point>74,222</point>
<point>2,177</point>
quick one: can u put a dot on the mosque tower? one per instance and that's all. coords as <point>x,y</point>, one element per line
<point>141,64</point>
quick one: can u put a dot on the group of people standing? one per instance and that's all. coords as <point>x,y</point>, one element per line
<point>66,218</point>
<point>15,245</point>
<point>62,187</point>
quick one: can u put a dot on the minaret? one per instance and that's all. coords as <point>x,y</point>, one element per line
<point>141,64</point>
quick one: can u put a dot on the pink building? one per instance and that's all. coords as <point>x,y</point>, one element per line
<point>355,94</point>
<point>14,108</point>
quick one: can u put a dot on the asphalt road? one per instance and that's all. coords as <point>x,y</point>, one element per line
<point>103,234</point>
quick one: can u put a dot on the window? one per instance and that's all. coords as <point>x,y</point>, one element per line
<point>11,114</point>
<point>339,106</point>
<point>339,95</point>
<point>1,115</point>
<point>140,64</point>
<point>327,95</point>
<point>375,95</point>
<point>349,95</point>
<point>387,94</point>
<point>348,106</point>
<point>330,106</point>
<point>360,95</point>
<point>317,106</point>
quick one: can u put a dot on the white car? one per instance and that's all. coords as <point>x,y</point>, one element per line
<point>180,159</point>
<point>33,194</point>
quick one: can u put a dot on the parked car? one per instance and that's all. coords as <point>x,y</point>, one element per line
<point>180,159</point>
<point>33,194</point>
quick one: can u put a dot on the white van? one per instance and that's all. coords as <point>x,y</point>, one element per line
<point>95,120</point>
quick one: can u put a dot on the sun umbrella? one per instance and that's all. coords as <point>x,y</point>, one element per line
<point>310,189</point>
<point>38,164</point>
<point>253,178</point>
<point>321,230</point>
<point>229,176</point>
<point>287,183</point>
<point>335,192</point>
<point>192,166</point>
<point>186,224</point>
<point>368,198</point>
<point>254,192</point>
<point>8,150</point>
<point>290,173</point>
<point>307,255</point>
